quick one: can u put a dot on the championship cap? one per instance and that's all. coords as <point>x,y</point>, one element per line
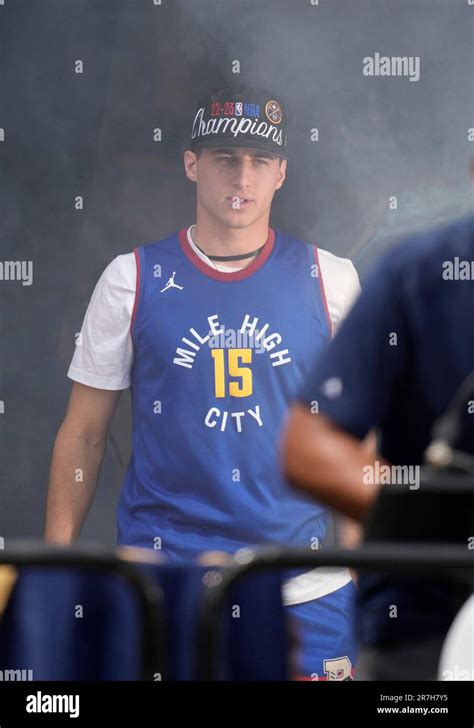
<point>240,116</point>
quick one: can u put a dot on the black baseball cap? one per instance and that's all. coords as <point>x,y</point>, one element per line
<point>240,116</point>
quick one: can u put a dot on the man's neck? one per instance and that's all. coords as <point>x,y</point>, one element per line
<point>228,241</point>
<point>221,267</point>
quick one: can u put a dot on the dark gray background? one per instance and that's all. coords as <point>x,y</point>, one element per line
<point>145,66</point>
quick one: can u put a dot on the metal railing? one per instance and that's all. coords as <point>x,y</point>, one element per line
<point>119,563</point>
<point>447,561</point>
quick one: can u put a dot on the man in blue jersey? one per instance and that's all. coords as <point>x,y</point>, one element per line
<point>213,328</point>
<point>396,363</point>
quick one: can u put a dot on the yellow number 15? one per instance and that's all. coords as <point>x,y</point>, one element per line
<point>235,358</point>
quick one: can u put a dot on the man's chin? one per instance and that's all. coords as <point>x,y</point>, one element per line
<point>239,224</point>
<point>240,221</point>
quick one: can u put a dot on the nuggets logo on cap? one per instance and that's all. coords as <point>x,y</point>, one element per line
<point>273,112</point>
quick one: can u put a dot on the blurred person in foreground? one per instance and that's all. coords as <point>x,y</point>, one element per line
<point>395,364</point>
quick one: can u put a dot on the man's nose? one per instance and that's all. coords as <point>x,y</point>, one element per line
<point>242,174</point>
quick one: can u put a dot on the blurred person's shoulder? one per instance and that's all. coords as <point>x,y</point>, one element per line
<point>421,255</point>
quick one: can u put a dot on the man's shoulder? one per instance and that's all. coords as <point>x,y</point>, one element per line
<point>326,258</point>
<point>168,243</point>
<point>338,274</point>
<point>340,281</point>
<point>120,271</point>
<point>335,262</point>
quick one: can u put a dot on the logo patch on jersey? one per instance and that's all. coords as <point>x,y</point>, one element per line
<point>239,108</point>
<point>171,284</point>
<point>339,668</point>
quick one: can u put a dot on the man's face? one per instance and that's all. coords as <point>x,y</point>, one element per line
<point>235,186</point>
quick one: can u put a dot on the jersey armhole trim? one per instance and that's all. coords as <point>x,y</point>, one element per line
<point>323,290</point>
<point>137,290</point>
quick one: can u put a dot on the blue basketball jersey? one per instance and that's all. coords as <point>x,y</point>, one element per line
<point>217,359</point>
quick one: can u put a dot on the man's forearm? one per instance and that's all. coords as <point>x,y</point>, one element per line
<point>73,479</point>
<point>328,463</point>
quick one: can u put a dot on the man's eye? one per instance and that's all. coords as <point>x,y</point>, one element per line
<point>263,161</point>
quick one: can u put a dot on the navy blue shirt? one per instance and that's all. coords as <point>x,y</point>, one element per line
<point>395,364</point>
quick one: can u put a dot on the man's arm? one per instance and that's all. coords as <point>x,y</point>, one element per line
<point>328,463</point>
<point>77,457</point>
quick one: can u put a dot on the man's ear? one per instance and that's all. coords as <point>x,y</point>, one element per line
<point>282,167</point>
<point>190,165</point>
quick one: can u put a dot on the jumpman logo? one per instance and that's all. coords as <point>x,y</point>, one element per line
<point>171,284</point>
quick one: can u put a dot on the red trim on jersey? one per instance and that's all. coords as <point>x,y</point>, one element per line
<point>137,289</point>
<point>219,275</point>
<point>321,285</point>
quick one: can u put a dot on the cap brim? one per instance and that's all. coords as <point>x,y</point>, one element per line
<point>240,142</point>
